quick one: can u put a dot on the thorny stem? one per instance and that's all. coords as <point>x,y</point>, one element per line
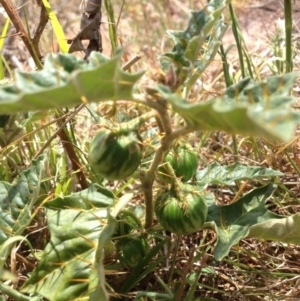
<point>17,22</point>
<point>168,136</point>
<point>175,183</point>
<point>147,186</point>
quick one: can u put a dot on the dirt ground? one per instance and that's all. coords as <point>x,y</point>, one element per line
<point>259,19</point>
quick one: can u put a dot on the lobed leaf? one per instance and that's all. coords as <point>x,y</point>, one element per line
<point>285,230</point>
<point>94,196</point>
<point>196,47</point>
<point>71,267</point>
<point>247,108</point>
<point>65,267</point>
<point>249,217</point>
<point>67,81</point>
<point>232,222</point>
<point>216,173</point>
<point>17,200</point>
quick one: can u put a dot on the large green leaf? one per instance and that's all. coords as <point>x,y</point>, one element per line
<point>97,275</point>
<point>94,196</point>
<point>216,173</point>
<point>17,200</point>
<point>188,43</point>
<point>71,266</point>
<point>249,217</point>
<point>70,253</point>
<point>232,222</point>
<point>207,53</point>
<point>67,81</point>
<point>196,46</point>
<point>285,230</point>
<point>247,108</point>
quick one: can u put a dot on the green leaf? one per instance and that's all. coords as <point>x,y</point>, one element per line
<point>198,44</point>
<point>285,230</point>
<point>17,200</point>
<point>215,173</point>
<point>71,266</point>
<point>65,267</point>
<point>97,276</point>
<point>207,54</point>
<point>68,81</point>
<point>247,108</point>
<point>94,196</point>
<point>232,222</point>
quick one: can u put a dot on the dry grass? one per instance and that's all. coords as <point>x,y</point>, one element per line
<point>254,270</point>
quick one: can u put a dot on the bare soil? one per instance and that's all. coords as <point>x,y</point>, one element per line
<point>260,19</point>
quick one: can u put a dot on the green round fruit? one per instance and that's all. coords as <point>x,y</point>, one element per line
<point>115,155</point>
<point>181,214</point>
<point>184,162</point>
<point>131,250</point>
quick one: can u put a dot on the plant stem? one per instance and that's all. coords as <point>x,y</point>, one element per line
<point>236,33</point>
<point>69,148</point>
<point>41,26</point>
<point>185,273</point>
<point>112,25</point>
<point>288,34</point>
<point>227,77</point>
<point>62,121</point>
<point>135,123</point>
<point>175,183</point>
<point>131,62</point>
<point>14,294</point>
<point>16,20</point>
<point>160,105</point>
<point>144,100</point>
<point>148,178</point>
<point>147,186</point>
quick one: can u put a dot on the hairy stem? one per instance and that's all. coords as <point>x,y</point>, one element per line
<point>148,179</point>
<point>168,136</point>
